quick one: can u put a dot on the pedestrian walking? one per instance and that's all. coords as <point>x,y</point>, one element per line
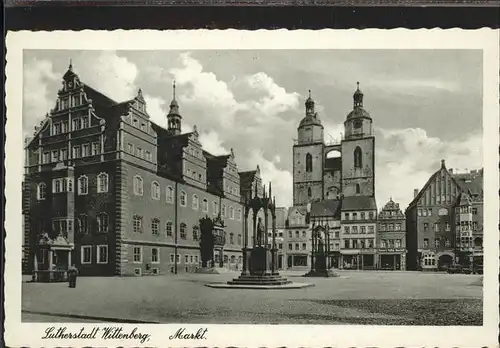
<point>72,275</point>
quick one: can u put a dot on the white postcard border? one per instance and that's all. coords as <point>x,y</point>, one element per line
<point>29,334</point>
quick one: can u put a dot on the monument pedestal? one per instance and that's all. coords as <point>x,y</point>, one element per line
<point>260,271</point>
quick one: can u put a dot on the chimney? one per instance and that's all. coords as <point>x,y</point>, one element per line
<point>450,170</point>
<point>415,193</point>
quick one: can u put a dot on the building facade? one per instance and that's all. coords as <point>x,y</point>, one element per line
<point>342,171</point>
<point>391,237</point>
<point>297,239</point>
<point>125,192</point>
<point>281,217</point>
<point>444,222</point>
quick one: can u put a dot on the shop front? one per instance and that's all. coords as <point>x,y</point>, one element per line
<point>391,259</point>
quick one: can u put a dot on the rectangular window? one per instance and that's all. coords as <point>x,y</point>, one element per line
<point>172,258</point>
<point>64,126</point>
<point>290,247</point>
<point>186,259</point>
<point>55,155</point>
<point>354,216</point>
<point>215,207</point>
<point>46,157</point>
<point>85,122</point>
<point>137,254</point>
<point>363,229</point>
<point>155,227</point>
<point>296,246</point>
<point>130,148</point>
<point>183,199</point>
<point>85,150</point>
<point>371,229</point>
<point>64,154</point>
<point>354,229</point>
<point>155,255</point>
<point>362,216</point>
<point>76,124</point>
<point>86,254</point>
<point>474,211</point>
<point>224,210</point>
<point>96,148</point>
<point>347,216</point>
<point>137,224</point>
<point>102,254</point>
<point>56,129</point>
<point>76,151</point>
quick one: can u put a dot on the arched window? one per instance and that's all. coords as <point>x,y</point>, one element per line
<point>309,192</point>
<point>358,189</point>
<point>183,198</point>
<point>168,229</point>
<point>231,213</point>
<point>41,190</point>
<point>155,190</point>
<point>102,183</point>
<point>196,233</point>
<point>138,185</point>
<point>183,230</point>
<point>309,162</point>
<point>83,185</point>
<point>195,203</point>
<point>205,205</point>
<point>102,222</point>
<point>239,214</point>
<point>170,194</point>
<point>83,224</point>
<point>358,162</point>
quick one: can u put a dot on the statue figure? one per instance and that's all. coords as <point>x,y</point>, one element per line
<point>260,232</point>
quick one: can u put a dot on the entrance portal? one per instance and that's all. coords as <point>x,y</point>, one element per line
<point>444,261</point>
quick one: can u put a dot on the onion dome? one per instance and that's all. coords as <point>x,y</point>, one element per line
<point>358,111</point>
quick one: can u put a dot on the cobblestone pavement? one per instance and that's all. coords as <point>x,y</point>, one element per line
<point>356,297</point>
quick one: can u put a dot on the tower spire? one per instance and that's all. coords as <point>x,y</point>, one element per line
<point>310,105</point>
<point>358,97</point>
<point>174,117</point>
<point>70,68</point>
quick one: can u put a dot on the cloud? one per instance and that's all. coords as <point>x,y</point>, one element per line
<point>157,110</point>
<point>275,99</point>
<point>406,158</point>
<point>281,179</point>
<point>404,86</point>
<point>38,96</point>
<point>211,142</point>
<point>108,73</point>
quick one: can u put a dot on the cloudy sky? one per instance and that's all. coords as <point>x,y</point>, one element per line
<point>426,105</point>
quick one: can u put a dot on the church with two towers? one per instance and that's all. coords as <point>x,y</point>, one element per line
<point>334,185</point>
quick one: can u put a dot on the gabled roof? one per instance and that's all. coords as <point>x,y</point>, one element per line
<point>97,97</point>
<point>247,178</point>
<point>359,203</point>
<point>330,208</point>
<point>474,187</point>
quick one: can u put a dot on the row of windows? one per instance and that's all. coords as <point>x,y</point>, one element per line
<point>362,229</point>
<point>232,213</point>
<point>79,151</point>
<point>141,124</point>
<point>139,152</point>
<point>86,254</point>
<point>290,246</point>
<point>76,124</point>
<point>83,223</point>
<point>138,227</point>
<point>424,212</point>
<point>358,243</point>
<point>437,243</point>
<point>66,185</point>
<point>391,243</point>
<point>194,175</point>
<point>188,259</point>
<point>362,216</point>
<point>437,227</point>
<point>297,234</point>
<point>390,227</point>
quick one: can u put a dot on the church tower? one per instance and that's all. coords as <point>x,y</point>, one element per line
<point>308,158</point>
<point>358,151</point>
<point>174,117</point>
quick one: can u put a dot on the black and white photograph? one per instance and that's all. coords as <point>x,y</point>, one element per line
<point>196,182</point>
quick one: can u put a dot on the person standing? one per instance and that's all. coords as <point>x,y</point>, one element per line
<point>72,275</point>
